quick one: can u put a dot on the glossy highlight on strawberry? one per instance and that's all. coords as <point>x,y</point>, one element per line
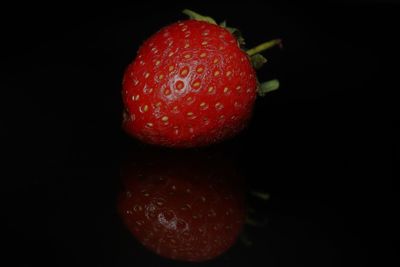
<point>190,85</point>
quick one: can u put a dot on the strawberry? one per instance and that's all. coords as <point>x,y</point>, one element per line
<point>182,207</point>
<point>191,84</point>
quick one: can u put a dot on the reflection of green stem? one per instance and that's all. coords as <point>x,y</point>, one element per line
<point>193,15</point>
<point>264,46</point>
<point>254,222</point>
<point>246,240</point>
<point>263,196</point>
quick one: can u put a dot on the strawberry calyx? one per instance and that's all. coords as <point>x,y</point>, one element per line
<point>258,61</point>
<point>193,15</point>
<point>256,58</point>
<point>236,33</point>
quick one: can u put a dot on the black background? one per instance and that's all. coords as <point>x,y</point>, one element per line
<point>321,145</point>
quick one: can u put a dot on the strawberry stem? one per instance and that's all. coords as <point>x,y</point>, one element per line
<point>267,87</point>
<point>264,46</point>
<point>197,16</point>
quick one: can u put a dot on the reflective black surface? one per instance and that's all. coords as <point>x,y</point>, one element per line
<point>321,145</point>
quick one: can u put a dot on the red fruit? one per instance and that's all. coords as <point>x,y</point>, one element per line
<point>190,85</point>
<point>185,210</point>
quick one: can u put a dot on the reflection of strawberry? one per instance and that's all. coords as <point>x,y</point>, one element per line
<point>191,85</point>
<point>181,207</point>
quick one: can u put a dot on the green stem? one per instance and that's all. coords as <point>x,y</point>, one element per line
<point>266,87</point>
<point>193,15</point>
<point>263,47</point>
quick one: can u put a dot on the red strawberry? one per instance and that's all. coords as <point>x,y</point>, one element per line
<point>183,208</point>
<point>190,85</point>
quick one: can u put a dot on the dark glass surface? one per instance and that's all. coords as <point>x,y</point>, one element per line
<point>320,146</point>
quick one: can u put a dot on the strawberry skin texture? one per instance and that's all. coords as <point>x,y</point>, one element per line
<point>188,213</point>
<point>190,85</point>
